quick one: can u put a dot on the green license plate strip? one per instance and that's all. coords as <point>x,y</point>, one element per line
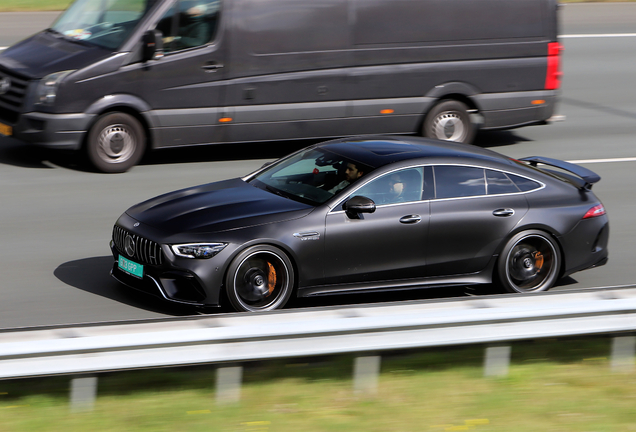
<point>131,267</point>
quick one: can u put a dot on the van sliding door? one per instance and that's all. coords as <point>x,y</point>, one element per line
<point>288,69</point>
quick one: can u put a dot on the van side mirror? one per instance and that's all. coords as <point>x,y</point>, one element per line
<point>153,45</point>
<point>358,204</point>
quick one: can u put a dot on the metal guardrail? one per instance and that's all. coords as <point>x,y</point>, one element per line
<point>293,333</point>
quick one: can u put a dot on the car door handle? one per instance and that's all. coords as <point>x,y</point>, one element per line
<point>504,212</point>
<point>211,67</point>
<point>410,219</point>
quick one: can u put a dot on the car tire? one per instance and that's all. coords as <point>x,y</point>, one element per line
<point>449,121</point>
<point>260,278</point>
<point>116,143</point>
<point>529,262</point>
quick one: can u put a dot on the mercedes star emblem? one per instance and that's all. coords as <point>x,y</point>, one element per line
<point>129,246</point>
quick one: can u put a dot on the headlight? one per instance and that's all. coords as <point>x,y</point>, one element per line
<point>47,88</point>
<point>198,250</point>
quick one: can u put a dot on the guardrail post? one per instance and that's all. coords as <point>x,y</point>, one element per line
<point>228,384</point>
<point>623,350</point>
<point>366,371</point>
<point>83,394</point>
<point>497,360</point>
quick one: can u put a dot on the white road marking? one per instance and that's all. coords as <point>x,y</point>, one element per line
<point>602,35</point>
<point>591,161</point>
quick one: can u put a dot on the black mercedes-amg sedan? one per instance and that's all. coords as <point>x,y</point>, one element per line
<point>362,215</point>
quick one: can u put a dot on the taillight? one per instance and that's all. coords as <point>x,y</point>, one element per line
<point>553,74</point>
<point>597,210</point>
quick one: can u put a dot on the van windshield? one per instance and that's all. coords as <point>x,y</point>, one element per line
<point>105,23</point>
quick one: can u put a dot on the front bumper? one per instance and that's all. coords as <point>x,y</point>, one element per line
<point>60,131</point>
<point>188,281</point>
<point>175,285</point>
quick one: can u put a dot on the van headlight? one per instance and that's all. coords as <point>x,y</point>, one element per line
<point>48,86</point>
<point>198,250</point>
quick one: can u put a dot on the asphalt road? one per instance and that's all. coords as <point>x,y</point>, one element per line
<point>56,219</point>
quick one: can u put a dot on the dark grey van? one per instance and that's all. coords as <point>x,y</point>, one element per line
<point>114,77</point>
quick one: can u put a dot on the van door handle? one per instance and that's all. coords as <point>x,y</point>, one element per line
<point>211,67</point>
<point>504,212</point>
<point>410,219</point>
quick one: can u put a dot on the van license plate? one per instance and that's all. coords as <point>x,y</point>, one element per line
<point>6,130</point>
<point>131,267</point>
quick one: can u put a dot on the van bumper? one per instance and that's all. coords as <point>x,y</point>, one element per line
<point>509,110</point>
<point>60,131</point>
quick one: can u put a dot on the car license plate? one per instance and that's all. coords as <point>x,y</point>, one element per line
<point>131,267</point>
<point>6,130</point>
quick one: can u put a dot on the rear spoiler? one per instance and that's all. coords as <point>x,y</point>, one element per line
<point>586,177</point>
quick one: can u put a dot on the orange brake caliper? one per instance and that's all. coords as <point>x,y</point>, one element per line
<point>271,278</point>
<point>538,260</point>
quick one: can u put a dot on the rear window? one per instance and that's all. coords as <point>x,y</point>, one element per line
<point>524,184</point>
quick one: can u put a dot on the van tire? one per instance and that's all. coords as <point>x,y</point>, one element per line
<point>449,121</point>
<point>116,143</point>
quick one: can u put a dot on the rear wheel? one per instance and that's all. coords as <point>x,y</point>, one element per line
<point>260,278</point>
<point>116,142</point>
<point>529,262</point>
<point>449,121</point>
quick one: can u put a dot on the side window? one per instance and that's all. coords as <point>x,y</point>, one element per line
<point>459,181</point>
<point>396,187</point>
<point>189,24</point>
<point>524,184</point>
<point>499,183</point>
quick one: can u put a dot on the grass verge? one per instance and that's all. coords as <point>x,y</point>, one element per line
<point>561,385</point>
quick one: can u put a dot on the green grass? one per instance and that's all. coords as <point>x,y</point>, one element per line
<point>563,385</point>
<point>33,5</point>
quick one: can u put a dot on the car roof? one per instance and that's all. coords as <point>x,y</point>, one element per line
<point>377,151</point>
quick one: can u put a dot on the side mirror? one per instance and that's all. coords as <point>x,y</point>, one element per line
<point>153,45</point>
<point>358,204</point>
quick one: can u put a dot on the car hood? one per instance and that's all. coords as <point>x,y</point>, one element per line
<point>44,53</point>
<point>214,207</point>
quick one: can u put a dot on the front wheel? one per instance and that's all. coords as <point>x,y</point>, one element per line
<point>529,262</point>
<point>449,121</point>
<point>260,278</point>
<point>116,142</point>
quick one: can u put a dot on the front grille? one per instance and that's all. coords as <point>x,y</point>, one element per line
<point>12,99</point>
<point>146,251</point>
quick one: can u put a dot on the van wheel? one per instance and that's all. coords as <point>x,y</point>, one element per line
<point>116,143</point>
<point>260,278</point>
<point>449,121</point>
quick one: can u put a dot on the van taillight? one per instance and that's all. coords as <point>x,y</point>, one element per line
<point>553,75</point>
<point>597,210</point>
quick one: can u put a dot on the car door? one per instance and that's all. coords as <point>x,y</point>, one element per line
<point>473,212</point>
<point>183,88</point>
<point>389,243</point>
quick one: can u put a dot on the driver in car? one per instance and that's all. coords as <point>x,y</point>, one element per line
<point>352,173</point>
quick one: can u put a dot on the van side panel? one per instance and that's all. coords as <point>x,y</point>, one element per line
<point>368,66</point>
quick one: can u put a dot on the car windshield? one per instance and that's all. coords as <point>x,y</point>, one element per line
<point>105,23</point>
<point>310,176</point>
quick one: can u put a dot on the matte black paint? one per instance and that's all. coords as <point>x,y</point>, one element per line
<point>427,243</point>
